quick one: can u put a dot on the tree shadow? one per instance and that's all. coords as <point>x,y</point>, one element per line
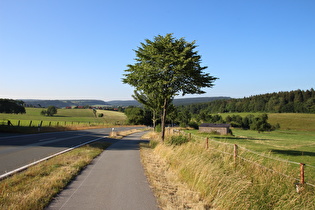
<point>293,152</point>
<point>238,138</point>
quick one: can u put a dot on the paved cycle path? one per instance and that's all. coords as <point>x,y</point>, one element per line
<point>114,180</point>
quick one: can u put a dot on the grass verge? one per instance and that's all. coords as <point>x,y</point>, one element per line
<point>223,186</point>
<point>170,192</point>
<point>35,187</point>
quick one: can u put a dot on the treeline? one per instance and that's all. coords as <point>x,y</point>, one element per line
<point>183,118</point>
<point>259,123</point>
<point>297,101</point>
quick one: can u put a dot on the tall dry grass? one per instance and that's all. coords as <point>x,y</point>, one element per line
<point>225,186</point>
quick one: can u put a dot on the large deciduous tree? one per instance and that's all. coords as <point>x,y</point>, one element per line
<point>166,67</point>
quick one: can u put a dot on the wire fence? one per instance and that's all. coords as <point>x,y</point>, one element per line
<point>304,171</point>
<point>42,123</point>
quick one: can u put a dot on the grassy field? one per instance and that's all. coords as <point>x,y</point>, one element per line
<point>293,121</point>
<point>244,184</point>
<point>287,121</point>
<point>65,117</point>
<point>297,146</point>
<point>293,142</point>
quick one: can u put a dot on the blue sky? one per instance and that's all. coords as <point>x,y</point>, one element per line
<point>74,49</point>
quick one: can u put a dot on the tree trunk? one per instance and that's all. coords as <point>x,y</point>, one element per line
<point>154,119</point>
<point>163,119</point>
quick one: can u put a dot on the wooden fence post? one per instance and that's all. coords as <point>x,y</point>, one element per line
<point>207,142</point>
<point>235,153</point>
<point>40,125</point>
<point>30,123</point>
<point>302,181</point>
<point>19,123</point>
<point>189,136</point>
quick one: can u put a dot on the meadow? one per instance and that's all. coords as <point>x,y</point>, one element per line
<point>287,121</point>
<point>294,141</point>
<point>222,184</point>
<point>64,117</point>
<point>264,175</point>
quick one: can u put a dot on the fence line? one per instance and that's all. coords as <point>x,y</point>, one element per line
<point>42,123</point>
<point>235,154</point>
<point>259,154</point>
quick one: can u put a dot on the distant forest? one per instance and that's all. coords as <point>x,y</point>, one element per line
<point>297,101</point>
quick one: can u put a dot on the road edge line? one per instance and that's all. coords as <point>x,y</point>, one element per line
<point>10,173</point>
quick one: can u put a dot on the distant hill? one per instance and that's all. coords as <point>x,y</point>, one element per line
<point>63,103</point>
<point>187,101</point>
<point>124,103</point>
<point>177,102</point>
<point>115,103</point>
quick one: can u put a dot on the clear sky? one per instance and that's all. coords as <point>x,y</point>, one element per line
<point>75,49</point>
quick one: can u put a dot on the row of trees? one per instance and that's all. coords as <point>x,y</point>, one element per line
<point>12,106</point>
<point>259,123</point>
<point>183,117</point>
<point>297,101</point>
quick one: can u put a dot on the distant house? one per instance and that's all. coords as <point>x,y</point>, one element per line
<point>222,129</point>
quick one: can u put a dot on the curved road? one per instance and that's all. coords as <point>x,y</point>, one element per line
<point>17,151</point>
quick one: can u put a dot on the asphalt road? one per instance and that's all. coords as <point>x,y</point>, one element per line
<point>20,150</point>
<point>114,180</point>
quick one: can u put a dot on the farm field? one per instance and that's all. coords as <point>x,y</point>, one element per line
<point>294,141</point>
<point>65,117</point>
<point>253,179</point>
<point>287,121</point>
<point>297,146</point>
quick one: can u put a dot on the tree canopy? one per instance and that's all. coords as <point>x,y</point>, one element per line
<point>166,67</point>
<point>11,106</point>
<point>295,101</point>
<point>51,110</point>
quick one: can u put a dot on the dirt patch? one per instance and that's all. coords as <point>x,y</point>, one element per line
<point>169,191</point>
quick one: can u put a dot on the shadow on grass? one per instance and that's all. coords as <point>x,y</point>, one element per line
<point>237,138</point>
<point>293,152</point>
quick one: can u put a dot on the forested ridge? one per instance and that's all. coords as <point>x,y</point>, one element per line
<point>296,101</point>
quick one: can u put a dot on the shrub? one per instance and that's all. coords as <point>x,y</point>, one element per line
<point>43,112</point>
<point>101,115</point>
<point>178,140</point>
<point>193,125</point>
<point>158,128</point>
<point>153,144</point>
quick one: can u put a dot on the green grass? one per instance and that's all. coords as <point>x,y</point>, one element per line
<point>64,117</point>
<point>287,121</point>
<point>293,121</point>
<point>295,146</point>
<point>298,146</point>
